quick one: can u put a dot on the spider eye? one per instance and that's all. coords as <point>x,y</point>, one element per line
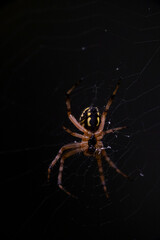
<point>90,118</point>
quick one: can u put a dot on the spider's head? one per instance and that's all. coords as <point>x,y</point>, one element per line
<point>90,118</point>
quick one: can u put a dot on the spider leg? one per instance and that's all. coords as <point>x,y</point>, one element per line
<point>99,162</point>
<point>74,134</point>
<point>70,116</point>
<point>109,131</point>
<point>112,164</point>
<point>104,114</point>
<point>66,155</point>
<point>113,130</point>
<point>65,147</point>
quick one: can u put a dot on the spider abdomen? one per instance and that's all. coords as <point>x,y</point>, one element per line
<point>90,118</point>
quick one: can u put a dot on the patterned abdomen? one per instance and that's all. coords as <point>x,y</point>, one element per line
<point>90,118</point>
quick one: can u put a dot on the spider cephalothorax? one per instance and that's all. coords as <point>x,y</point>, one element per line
<point>91,125</point>
<point>90,118</point>
<point>92,144</point>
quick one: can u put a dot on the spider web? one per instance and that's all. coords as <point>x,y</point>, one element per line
<point>45,48</point>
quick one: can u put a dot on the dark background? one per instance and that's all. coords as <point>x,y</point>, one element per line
<point>46,46</point>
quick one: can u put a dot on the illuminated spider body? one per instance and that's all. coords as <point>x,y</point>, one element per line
<point>90,118</point>
<point>91,124</point>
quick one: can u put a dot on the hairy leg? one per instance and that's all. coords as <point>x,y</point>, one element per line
<point>65,147</point>
<point>104,114</point>
<point>74,134</point>
<point>112,130</point>
<point>99,162</point>
<point>104,154</point>
<point>66,155</point>
<point>70,116</point>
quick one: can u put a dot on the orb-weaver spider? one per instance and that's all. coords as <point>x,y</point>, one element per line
<point>91,124</point>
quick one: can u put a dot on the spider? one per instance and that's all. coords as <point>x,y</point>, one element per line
<point>91,124</point>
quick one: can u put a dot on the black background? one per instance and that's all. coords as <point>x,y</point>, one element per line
<point>46,46</point>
